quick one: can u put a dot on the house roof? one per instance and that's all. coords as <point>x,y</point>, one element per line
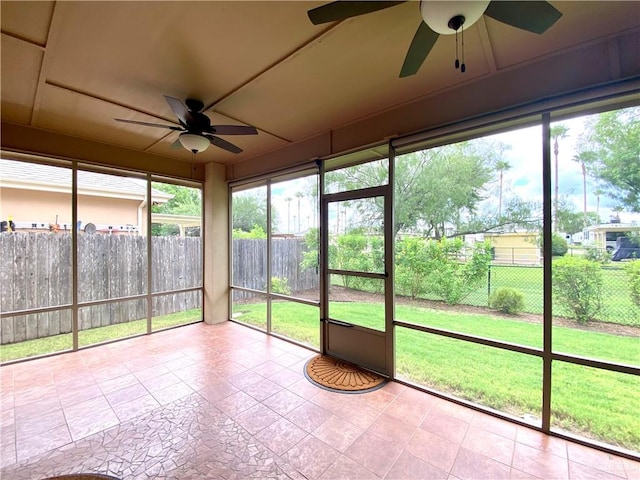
<point>613,227</point>
<point>33,176</point>
<point>70,68</point>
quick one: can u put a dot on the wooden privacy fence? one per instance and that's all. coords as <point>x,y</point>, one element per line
<point>250,265</point>
<point>35,272</point>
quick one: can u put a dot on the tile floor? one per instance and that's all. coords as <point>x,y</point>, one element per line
<point>228,402</point>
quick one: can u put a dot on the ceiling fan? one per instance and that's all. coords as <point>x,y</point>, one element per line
<point>197,131</point>
<point>445,18</point>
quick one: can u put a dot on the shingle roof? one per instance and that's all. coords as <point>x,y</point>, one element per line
<point>34,173</point>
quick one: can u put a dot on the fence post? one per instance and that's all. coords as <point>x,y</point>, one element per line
<point>489,286</point>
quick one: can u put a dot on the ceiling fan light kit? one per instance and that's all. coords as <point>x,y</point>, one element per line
<point>443,17</point>
<point>193,142</point>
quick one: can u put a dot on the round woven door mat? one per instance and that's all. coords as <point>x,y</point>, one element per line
<point>340,376</point>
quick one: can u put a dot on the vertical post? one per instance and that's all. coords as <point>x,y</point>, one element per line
<point>269,255</point>
<point>149,256</point>
<point>323,260</point>
<point>232,292</point>
<point>74,256</point>
<point>389,260</point>
<point>489,285</point>
<point>546,265</point>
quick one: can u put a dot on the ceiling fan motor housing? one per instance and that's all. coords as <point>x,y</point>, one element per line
<point>194,105</point>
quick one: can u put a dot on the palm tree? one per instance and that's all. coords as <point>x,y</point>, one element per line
<point>581,158</point>
<point>299,195</point>
<point>556,132</point>
<point>501,166</point>
<point>598,192</point>
<point>288,200</point>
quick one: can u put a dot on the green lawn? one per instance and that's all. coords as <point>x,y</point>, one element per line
<point>595,403</point>
<point>617,304</point>
<point>57,343</point>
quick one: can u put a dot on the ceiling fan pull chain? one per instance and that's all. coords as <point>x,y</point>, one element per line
<point>463,67</point>
<point>457,62</point>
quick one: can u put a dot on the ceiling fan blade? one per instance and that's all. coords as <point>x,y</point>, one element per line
<point>335,11</point>
<point>233,130</point>
<point>219,142</point>
<point>178,108</point>
<point>422,43</point>
<point>147,124</point>
<point>532,16</point>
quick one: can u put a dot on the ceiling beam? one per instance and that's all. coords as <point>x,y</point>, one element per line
<point>46,61</point>
<point>486,45</point>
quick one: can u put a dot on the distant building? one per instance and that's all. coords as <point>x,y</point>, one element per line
<point>38,198</point>
<point>605,235</point>
<point>515,248</point>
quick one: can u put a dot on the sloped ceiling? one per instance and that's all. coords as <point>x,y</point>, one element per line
<point>72,67</point>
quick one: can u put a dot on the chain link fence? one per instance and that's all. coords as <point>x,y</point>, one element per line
<point>616,295</point>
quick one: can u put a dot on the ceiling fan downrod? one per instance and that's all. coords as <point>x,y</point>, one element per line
<point>457,23</point>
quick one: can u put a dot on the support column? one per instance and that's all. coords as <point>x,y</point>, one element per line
<point>216,246</point>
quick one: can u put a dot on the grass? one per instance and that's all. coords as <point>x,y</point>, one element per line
<point>595,403</point>
<point>306,330</point>
<point>617,304</point>
<point>58,343</point>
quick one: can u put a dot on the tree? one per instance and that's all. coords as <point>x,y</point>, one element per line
<point>556,132</point>
<point>250,211</point>
<point>501,166</point>
<point>185,201</point>
<point>299,195</point>
<point>516,213</point>
<point>288,200</point>
<point>437,187</point>
<point>615,140</point>
<point>570,221</point>
<point>439,191</point>
<point>598,192</point>
<point>582,158</point>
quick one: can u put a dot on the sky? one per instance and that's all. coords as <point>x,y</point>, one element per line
<point>523,179</point>
<point>525,176</point>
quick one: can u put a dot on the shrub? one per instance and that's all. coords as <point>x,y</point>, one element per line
<point>411,267</point>
<point>311,253</point>
<point>280,285</point>
<point>507,300</point>
<point>633,274</point>
<point>358,252</point>
<point>559,246</point>
<point>451,278</point>
<point>596,254</point>
<point>257,232</point>
<point>577,286</point>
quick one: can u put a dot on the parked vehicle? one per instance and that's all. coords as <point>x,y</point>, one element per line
<point>626,248</point>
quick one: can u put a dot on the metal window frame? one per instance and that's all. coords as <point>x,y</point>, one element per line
<point>76,166</point>
<point>542,114</point>
<point>267,180</point>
